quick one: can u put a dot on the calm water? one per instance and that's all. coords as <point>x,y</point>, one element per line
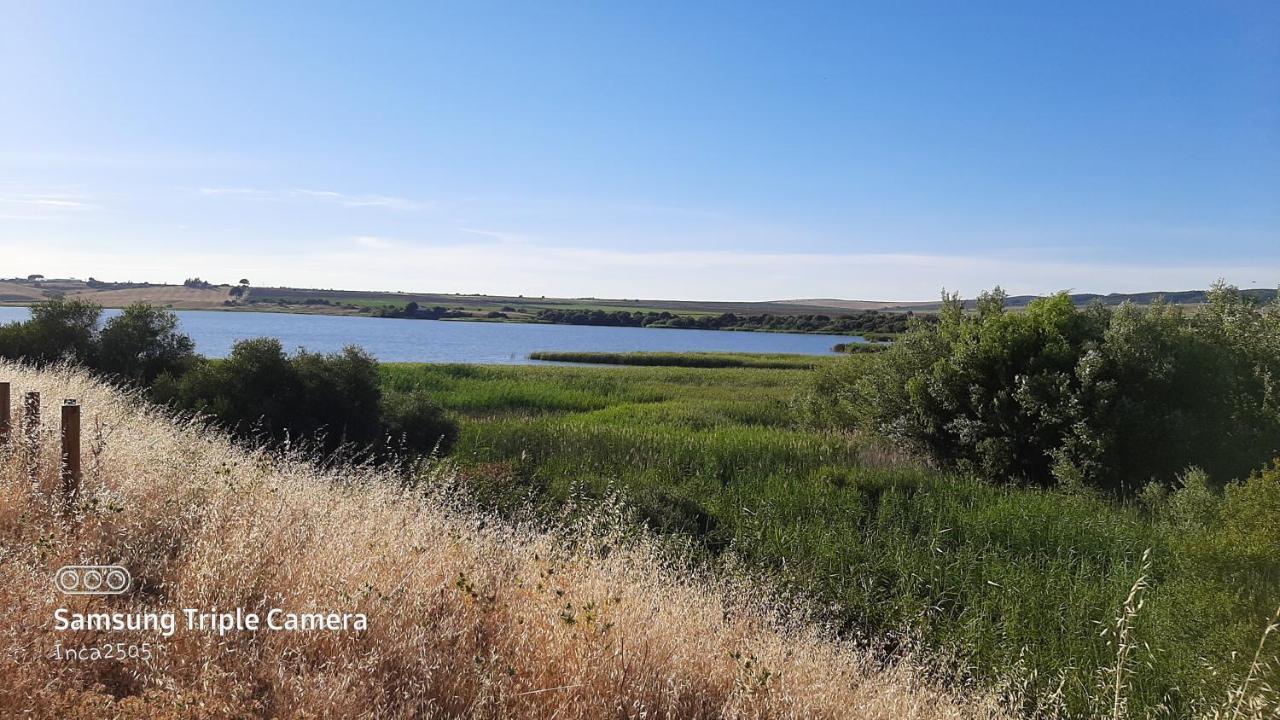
<point>394,340</point>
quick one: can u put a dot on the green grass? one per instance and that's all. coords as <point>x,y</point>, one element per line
<point>1014,579</point>
<point>692,359</point>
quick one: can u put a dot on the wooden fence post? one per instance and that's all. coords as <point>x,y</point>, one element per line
<point>5,422</point>
<point>70,450</point>
<point>31,417</point>
<point>31,433</point>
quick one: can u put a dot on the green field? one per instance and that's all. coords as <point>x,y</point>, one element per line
<point>1017,581</point>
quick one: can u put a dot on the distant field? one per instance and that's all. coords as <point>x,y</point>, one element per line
<point>859,304</point>
<point>348,302</point>
<point>528,304</point>
<point>16,293</point>
<point>176,296</point>
<point>170,295</point>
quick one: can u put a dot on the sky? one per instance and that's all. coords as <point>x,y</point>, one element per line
<point>692,150</point>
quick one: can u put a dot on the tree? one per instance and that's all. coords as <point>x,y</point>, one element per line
<point>333,399</point>
<point>1108,398</point>
<point>59,329</point>
<point>338,396</point>
<point>142,343</point>
<point>244,281</point>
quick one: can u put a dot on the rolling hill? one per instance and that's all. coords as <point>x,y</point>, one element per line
<point>24,291</point>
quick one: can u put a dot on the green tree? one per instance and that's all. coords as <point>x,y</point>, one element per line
<point>142,343</point>
<point>59,329</point>
<point>1054,393</point>
<point>253,390</point>
<point>338,396</point>
<point>333,399</point>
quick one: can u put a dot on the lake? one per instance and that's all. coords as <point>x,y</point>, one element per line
<point>442,341</point>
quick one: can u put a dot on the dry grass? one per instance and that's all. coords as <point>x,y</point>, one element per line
<point>467,616</point>
<point>177,296</point>
<point>15,292</point>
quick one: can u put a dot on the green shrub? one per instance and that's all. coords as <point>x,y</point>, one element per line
<point>1230,534</point>
<point>413,421</point>
<point>333,399</point>
<point>1108,398</point>
<point>139,345</point>
<point>59,329</point>
<point>254,386</point>
<point>142,343</point>
<point>863,347</point>
<point>338,393</point>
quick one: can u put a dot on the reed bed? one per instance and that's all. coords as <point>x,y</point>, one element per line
<point>782,361</point>
<point>1017,582</point>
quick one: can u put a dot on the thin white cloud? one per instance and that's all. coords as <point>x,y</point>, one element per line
<point>322,196</point>
<point>386,201</point>
<point>28,203</point>
<point>374,242</point>
<point>233,192</point>
<point>507,237</point>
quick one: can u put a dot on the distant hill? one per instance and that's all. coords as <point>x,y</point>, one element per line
<point>835,303</point>
<point>209,296</point>
<point>24,291</point>
<point>1177,297</point>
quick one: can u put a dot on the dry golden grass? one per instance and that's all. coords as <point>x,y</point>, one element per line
<point>177,296</point>
<point>467,616</point>
<point>15,292</point>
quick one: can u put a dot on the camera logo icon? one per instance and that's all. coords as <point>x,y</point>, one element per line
<point>92,579</point>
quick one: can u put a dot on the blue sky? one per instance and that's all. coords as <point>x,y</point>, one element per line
<point>690,150</point>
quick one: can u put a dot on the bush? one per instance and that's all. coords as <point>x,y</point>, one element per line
<point>255,387</point>
<point>1107,398</point>
<point>139,345</point>
<point>413,421</point>
<point>142,343</point>
<point>332,399</point>
<point>1229,533</point>
<point>1223,566</point>
<point>59,329</point>
<point>862,347</point>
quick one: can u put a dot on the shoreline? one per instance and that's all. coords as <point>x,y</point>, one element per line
<point>498,321</point>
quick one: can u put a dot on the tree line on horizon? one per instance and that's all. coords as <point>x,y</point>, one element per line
<point>860,322</point>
